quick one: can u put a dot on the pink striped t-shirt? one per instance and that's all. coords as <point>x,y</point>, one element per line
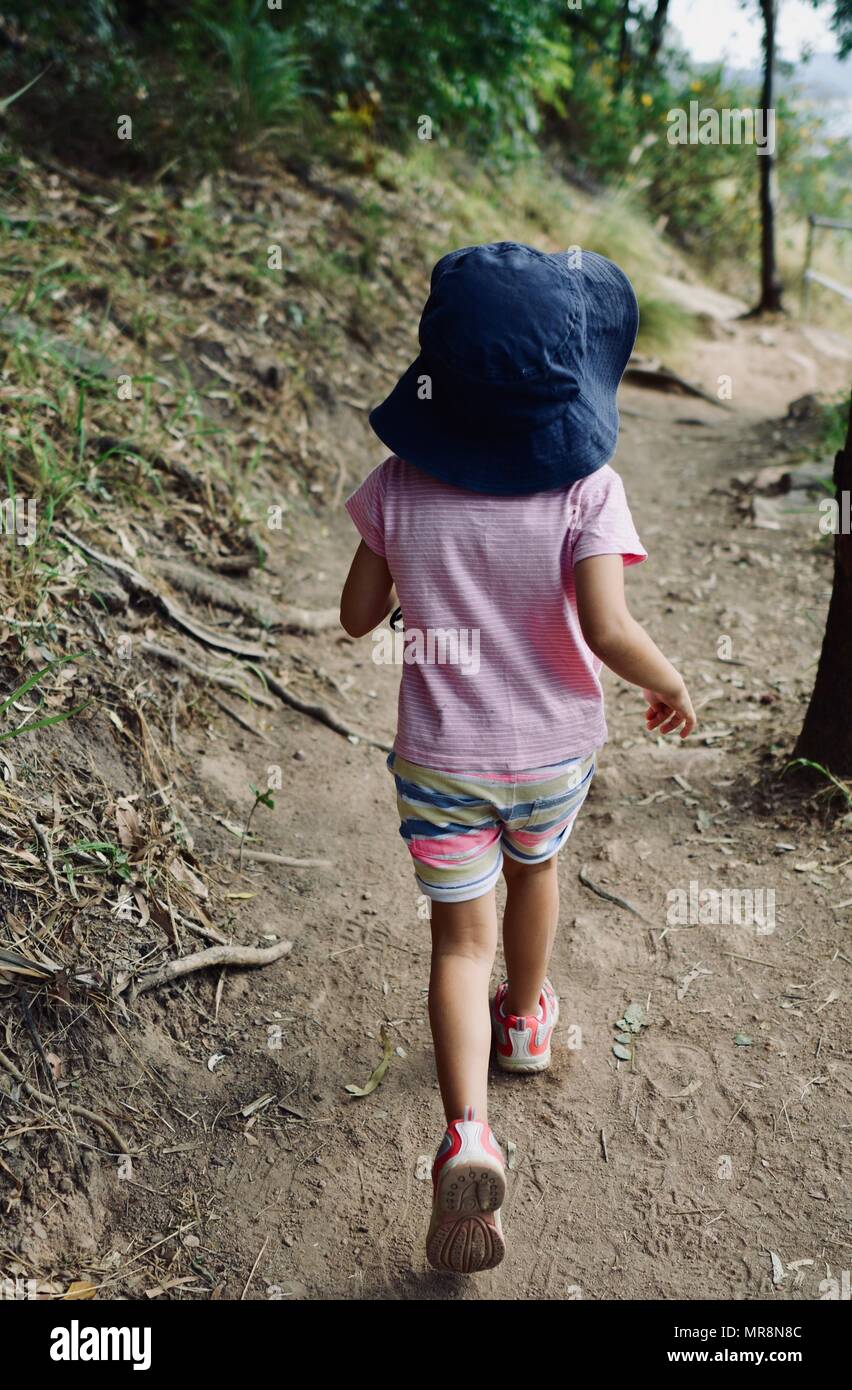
<point>496,675</point>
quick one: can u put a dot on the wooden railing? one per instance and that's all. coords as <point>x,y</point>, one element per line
<point>815,277</point>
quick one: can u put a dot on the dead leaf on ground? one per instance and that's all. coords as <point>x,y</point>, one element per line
<point>378,1074</point>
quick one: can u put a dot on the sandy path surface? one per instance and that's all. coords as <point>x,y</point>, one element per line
<point>673,1176</point>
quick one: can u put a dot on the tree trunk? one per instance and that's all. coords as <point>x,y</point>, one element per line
<point>770,284</point>
<point>624,52</point>
<point>655,38</point>
<point>826,735</point>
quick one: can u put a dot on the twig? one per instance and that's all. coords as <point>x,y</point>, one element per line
<point>214,955</point>
<point>322,713</point>
<point>262,856</point>
<point>787,1117</point>
<point>238,719</point>
<point>253,1268</point>
<point>80,1110</point>
<point>753,960</point>
<point>45,849</point>
<point>111,1278</point>
<point>610,897</point>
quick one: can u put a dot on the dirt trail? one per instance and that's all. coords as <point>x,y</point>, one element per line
<point>671,1178</point>
<point>336,1190</point>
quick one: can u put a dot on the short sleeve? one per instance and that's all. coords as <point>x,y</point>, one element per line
<point>366,506</point>
<point>604,525</point>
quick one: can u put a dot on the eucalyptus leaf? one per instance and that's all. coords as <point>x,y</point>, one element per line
<point>635,1017</point>
<point>378,1074</point>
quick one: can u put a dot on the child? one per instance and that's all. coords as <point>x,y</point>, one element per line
<point>502,526</point>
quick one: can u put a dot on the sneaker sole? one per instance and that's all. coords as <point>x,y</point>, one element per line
<point>523,1065</point>
<point>465,1234</point>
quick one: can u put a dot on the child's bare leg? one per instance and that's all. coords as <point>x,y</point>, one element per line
<point>464,942</point>
<point>529,928</point>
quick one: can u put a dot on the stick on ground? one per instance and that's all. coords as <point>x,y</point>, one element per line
<point>214,955</point>
<point>610,897</point>
<point>81,1110</point>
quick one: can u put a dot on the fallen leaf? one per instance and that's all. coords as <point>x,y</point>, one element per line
<point>378,1074</point>
<point>80,1289</point>
<point>182,873</point>
<point>634,1018</point>
<point>127,823</point>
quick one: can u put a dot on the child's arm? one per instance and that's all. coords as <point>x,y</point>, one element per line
<point>625,647</point>
<point>367,594</point>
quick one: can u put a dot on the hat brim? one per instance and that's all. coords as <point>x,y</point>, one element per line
<point>458,448</point>
<point>448,439</point>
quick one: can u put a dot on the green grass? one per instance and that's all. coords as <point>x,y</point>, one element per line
<point>843,788</point>
<point>32,725</point>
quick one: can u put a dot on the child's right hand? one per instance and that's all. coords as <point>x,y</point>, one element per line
<point>668,709</point>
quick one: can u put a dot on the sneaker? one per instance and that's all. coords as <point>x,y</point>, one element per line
<point>521,1043</point>
<point>468,1186</point>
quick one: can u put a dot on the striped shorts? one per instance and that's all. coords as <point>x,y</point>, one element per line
<point>458,825</point>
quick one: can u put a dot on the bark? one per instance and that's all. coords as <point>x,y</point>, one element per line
<point>770,284</point>
<point>624,51</point>
<point>826,736</point>
<point>655,38</point>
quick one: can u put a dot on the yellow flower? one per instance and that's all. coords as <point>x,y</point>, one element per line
<point>646,100</point>
<point>695,86</point>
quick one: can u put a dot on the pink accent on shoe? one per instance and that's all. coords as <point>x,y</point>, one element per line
<point>522,1042</point>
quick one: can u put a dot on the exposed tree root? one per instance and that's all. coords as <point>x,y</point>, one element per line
<point>136,583</point>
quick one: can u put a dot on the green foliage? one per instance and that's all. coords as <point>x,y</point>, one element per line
<point>844,788</point>
<point>263,69</point>
<point>32,725</point>
<point>476,69</point>
<point>834,424</point>
<point>342,79</point>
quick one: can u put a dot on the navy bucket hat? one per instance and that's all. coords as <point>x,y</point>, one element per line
<point>521,353</point>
